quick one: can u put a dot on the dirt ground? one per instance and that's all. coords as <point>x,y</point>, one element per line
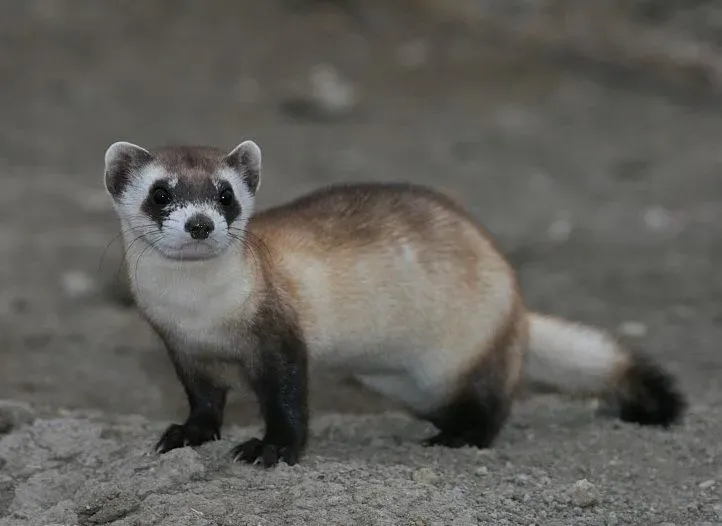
<point>606,194</point>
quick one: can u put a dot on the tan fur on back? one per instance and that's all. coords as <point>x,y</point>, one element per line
<point>389,278</point>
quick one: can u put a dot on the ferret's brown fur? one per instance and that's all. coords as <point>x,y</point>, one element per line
<point>356,231</point>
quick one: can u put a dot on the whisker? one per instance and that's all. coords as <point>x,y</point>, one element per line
<point>143,229</point>
<point>118,236</point>
<point>137,238</point>
<point>242,247</point>
<point>253,245</point>
<point>151,244</point>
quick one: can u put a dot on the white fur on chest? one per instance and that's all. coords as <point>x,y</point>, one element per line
<point>194,302</point>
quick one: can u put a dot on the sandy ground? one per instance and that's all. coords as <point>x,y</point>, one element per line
<point>605,195</point>
<point>552,466</point>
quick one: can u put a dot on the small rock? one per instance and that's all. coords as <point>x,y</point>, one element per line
<point>329,98</point>
<point>634,329</point>
<point>658,218</point>
<point>560,229</point>
<point>584,494</point>
<point>425,475</point>
<point>77,285</point>
<point>707,484</point>
<point>329,88</point>
<point>14,414</point>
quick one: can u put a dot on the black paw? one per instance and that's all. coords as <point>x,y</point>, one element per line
<point>457,440</point>
<point>192,433</point>
<point>265,452</point>
<point>445,440</point>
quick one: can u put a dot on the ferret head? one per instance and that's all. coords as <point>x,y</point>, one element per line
<point>188,203</point>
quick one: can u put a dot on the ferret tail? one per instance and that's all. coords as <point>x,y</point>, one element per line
<point>578,359</point>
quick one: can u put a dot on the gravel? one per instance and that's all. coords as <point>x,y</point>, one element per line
<point>556,463</point>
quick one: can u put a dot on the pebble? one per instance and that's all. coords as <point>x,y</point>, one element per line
<point>584,494</point>
<point>707,484</point>
<point>658,218</point>
<point>425,475</point>
<point>633,329</point>
<point>329,88</point>
<point>560,229</point>
<point>77,284</point>
<point>329,97</point>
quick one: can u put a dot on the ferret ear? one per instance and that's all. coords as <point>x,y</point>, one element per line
<point>121,160</point>
<point>246,160</point>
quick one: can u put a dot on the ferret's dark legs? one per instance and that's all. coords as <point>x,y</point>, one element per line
<point>279,378</point>
<point>475,416</point>
<point>207,403</point>
<point>281,390</point>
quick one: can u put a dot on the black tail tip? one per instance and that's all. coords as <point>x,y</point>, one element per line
<point>649,395</point>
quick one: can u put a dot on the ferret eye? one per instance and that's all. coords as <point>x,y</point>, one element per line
<point>226,197</point>
<point>161,197</point>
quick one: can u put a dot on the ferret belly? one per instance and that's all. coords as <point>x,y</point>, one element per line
<point>406,334</point>
<point>410,364</point>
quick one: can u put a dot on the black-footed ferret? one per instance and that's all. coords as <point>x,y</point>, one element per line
<point>393,284</point>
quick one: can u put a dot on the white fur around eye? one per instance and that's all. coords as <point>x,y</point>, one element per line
<point>242,194</point>
<point>130,202</point>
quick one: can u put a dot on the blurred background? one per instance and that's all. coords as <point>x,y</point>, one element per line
<point>584,134</point>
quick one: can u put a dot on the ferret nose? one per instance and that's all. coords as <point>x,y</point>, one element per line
<point>199,226</point>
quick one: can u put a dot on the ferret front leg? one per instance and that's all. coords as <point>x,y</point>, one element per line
<point>207,402</point>
<point>279,379</point>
